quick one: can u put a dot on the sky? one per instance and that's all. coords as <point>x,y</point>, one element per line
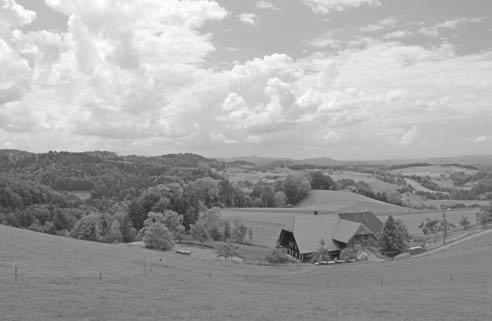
<point>346,79</point>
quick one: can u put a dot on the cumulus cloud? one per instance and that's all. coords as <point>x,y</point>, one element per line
<point>248,18</point>
<point>14,15</point>
<point>480,139</point>
<point>327,6</point>
<point>148,85</point>
<point>396,34</point>
<point>266,5</point>
<point>435,30</point>
<point>411,136</point>
<point>381,24</point>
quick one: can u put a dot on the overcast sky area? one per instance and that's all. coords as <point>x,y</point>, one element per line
<point>347,79</point>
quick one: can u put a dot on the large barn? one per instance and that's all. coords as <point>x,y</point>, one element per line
<point>304,233</point>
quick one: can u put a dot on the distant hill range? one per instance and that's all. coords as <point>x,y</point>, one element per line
<point>475,160</point>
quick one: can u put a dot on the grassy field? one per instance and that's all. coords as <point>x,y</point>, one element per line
<point>341,201</point>
<point>434,171</point>
<point>413,220</point>
<point>375,183</point>
<point>59,280</point>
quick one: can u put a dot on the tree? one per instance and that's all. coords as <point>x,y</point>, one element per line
<point>86,228</point>
<point>267,196</point>
<point>296,187</point>
<point>227,250</point>
<point>137,214</point>
<point>430,226</point>
<point>116,235</point>
<point>239,231</point>
<point>199,232</point>
<point>60,221</point>
<point>402,228</point>
<point>227,231</point>
<point>322,181</point>
<point>485,215</point>
<point>392,241</point>
<point>280,199</point>
<point>173,221</point>
<point>158,237</point>
<point>465,222</point>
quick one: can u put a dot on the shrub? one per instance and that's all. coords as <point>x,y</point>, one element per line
<point>280,199</point>
<point>277,256</point>
<point>158,237</point>
<point>199,232</point>
<point>348,253</point>
<point>227,250</point>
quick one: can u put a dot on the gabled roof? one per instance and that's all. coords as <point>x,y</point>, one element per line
<point>371,221</point>
<point>309,230</point>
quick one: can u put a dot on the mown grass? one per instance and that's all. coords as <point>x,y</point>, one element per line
<point>59,280</point>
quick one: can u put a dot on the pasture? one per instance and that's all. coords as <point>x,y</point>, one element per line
<point>434,171</point>
<point>59,280</point>
<point>376,184</point>
<point>342,201</point>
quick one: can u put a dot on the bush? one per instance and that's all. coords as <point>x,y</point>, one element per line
<point>199,232</point>
<point>465,222</point>
<point>227,250</point>
<point>353,253</point>
<point>158,237</point>
<point>277,256</point>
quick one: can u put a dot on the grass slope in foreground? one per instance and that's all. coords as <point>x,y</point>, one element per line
<point>59,280</point>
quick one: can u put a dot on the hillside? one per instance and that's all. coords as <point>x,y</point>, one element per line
<point>341,201</point>
<point>58,279</point>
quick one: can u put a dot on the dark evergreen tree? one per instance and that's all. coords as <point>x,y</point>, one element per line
<point>392,240</point>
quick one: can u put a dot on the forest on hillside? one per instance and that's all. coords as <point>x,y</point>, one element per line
<point>39,191</point>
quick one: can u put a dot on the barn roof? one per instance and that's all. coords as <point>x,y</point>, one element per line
<point>309,230</point>
<point>371,221</point>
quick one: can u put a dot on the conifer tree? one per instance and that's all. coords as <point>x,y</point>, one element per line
<point>392,240</point>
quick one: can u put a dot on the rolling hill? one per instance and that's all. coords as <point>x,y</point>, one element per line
<point>342,201</point>
<point>58,279</point>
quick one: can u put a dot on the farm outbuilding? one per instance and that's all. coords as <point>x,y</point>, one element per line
<point>303,235</point>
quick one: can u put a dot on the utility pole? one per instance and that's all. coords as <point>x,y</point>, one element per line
<point>445,226</point>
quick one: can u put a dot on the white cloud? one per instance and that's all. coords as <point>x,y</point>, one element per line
<point>14,15</point>
<point>331,137</point>
<point>148,85</point>
<point>411,136</point>
<point>248,18</point>
<point>480,139</point>
<point>381,24</point>
<point>266,5</point>
<point>327,6</point>
<point>435,30</point>
<point>396,34</point>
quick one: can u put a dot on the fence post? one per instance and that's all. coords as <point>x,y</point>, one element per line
<point>100,275</point>
<point>16,272</point>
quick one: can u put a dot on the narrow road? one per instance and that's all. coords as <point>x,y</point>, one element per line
<point>448,245</point>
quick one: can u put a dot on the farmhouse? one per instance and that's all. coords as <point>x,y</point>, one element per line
<point>303,234</point>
